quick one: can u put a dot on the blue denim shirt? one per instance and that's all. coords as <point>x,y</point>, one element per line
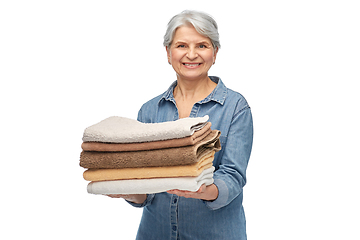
<point>167,216</point>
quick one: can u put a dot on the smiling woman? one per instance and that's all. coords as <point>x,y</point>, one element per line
<point>192,43</point>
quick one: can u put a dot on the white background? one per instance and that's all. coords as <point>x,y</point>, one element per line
<point>65,65</point>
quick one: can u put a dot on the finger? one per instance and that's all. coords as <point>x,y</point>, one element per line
<point>201,189</point>
<point>174,191</point>
<point>117,195</point>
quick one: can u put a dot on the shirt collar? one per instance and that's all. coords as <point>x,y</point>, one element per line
<point>217,95</point>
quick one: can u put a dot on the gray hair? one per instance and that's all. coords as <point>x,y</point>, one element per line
<point>202,22</point>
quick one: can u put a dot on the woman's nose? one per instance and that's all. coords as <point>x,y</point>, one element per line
<point>192,53</point>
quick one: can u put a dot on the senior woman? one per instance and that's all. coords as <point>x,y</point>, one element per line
<point>214,211</point>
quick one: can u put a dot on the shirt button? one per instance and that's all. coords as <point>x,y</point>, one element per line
<point>174,228</point>
<point>175,200</point>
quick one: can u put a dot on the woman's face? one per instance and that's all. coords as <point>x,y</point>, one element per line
<point>191,54</point>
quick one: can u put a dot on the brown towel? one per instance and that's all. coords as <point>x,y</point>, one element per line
<point>152,158</point>
<point>192,170</point>
<point>121,147</point>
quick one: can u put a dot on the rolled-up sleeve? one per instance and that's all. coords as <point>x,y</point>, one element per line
<point>147,202</point>
<point>230,177</point>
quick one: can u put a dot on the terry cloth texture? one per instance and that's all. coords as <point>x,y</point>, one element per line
<point>170,143</point>
<point>150,172</point>
<point>154,185</point>
<point>125,130</point>
<point>152,158</point>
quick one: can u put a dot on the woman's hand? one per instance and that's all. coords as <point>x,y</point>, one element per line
<point>208,193</point>
<point>135,198</point>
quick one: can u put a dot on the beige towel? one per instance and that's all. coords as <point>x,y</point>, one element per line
<point>192,170</point>
<point>126,130</point>
<point>152,158</point>
<point>121,147</point>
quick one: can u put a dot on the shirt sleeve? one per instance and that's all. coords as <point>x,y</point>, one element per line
<point>148,200</point>
<point>230,177</point>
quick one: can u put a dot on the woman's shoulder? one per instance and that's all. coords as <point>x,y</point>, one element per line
<point>233,97</point>
<point>237,96</point>
<point>153,101</point>
<point>149,109</point>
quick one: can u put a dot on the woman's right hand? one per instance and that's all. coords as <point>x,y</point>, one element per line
<point>135,198</point>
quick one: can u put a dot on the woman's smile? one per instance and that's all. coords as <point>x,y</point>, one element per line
<point>192,65</point>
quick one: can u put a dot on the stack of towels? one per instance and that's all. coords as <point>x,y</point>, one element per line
<point>124,156</point>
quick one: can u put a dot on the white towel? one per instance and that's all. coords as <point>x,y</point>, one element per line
<point>125,130</point>
<point>154,185</point>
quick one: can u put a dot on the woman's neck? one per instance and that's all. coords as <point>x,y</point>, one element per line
<point>193,90</point>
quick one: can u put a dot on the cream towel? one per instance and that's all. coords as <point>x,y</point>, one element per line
<point>170,143</point>
<point>125,130</point>
<point>154,185</point>
<point>150,172</point>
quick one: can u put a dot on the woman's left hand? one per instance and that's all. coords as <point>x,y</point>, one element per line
<point>208,193</point>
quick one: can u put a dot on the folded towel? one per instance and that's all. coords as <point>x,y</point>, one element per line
<point>150,172</point>
<point>154,185</point>
<point>170,143</point>
<point>125,130</point>
<point>152,158</point>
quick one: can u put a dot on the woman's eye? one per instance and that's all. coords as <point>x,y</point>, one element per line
<point>181,46</point>
<point>202,46</point>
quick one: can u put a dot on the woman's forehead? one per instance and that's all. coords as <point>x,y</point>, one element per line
<point>189,34</point>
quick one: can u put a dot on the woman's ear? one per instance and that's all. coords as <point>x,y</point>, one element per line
<point>215,54</point>
<point>168,54</point>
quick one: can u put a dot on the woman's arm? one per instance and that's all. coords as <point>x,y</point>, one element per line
<point>134,198</point>
<point>230,176</point>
